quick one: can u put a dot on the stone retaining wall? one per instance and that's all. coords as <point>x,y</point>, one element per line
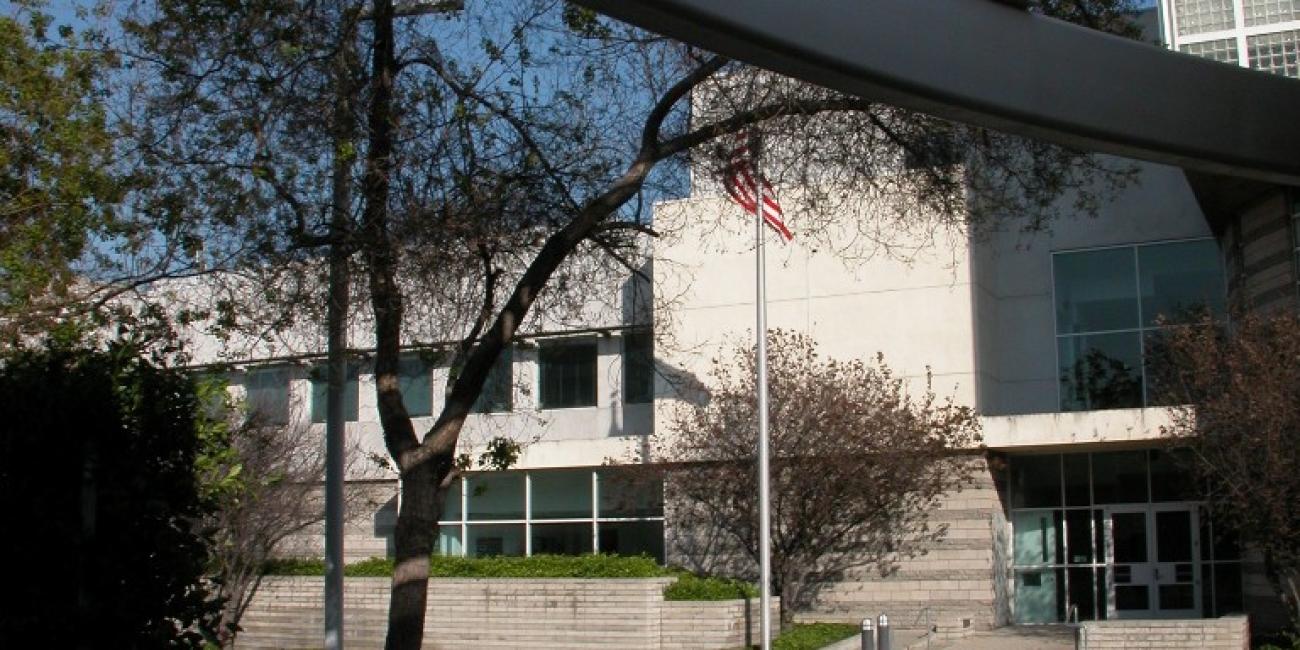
<point>505,613</point>
<point>1226,633</point>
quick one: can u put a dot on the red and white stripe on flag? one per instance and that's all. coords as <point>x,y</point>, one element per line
<point>739,183</point>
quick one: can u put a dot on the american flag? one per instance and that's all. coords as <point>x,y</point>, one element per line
<point>739,183</point>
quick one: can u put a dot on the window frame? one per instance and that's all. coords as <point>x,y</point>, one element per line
<point>554,347</point>
<point>1142,331</point>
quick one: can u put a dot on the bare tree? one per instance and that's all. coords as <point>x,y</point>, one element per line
<point>263,480</point>
<point>858,467</point>
<point>1239,414</point>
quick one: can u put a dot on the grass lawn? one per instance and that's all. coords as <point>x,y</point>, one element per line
<point>809,636</point>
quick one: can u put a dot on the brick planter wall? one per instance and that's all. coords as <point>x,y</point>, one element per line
<point>1226,633</point>
<point>504,613</point>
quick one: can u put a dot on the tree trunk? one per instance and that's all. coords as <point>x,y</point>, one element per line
<point>417,528</point>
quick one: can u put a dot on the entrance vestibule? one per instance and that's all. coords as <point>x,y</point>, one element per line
<point>1115,535</point>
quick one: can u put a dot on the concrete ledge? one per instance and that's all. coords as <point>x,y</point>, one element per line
<point>1226,633</point>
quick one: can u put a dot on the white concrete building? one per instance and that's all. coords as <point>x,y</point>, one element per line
<point>1258,34</point>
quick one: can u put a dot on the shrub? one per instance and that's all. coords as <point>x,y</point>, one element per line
<point>691,587</point>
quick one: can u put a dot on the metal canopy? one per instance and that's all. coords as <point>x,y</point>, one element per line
<point>993,64</point>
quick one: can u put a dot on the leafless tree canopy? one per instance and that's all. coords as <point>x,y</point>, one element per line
<point>1240,390</point>
<point>858,467</point>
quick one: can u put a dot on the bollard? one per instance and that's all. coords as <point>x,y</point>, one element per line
<point>882,633</point>
<point>868,635</point>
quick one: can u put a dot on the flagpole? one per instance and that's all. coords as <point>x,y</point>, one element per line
<point>764,487</point>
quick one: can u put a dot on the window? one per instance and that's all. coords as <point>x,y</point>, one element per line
<point>497,395</point>
<point>562,511</point>
<point>568,374</point>
<point>1223,50</point>
<point>319,376</point>
<point>1112,305</point>
<point>638,368</point>
<point>416,385</point>
<point>1278,52</point>
<point>1197,16</point>
<point>1264,12</point>
<point>266,394</point>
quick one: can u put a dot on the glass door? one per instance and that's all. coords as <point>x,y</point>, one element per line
<point>1151,553</point>
<point>1128,553</point>
<point>1176,580</point>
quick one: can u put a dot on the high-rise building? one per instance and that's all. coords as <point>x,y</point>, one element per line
<point>1258,34</point>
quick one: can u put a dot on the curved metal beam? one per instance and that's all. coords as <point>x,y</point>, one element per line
<point>994,65</point>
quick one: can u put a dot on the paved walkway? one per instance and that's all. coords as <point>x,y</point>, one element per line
<point>1037,637</point>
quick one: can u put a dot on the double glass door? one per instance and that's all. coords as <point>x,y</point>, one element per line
<point>1152,553</point>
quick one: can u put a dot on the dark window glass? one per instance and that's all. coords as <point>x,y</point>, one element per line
<point>630,494</point>
<point>1078,524</point>
<point>1100,371</point>
<point>1095,291</point>
<point>416,384</point>
<point>1119,477</point>
<point>562,539</point>
<point>1227,589</point>
<point>633,538</point>
<point>568,374</point>
<point>638,368</point>
<point>1078,487</point>
<point>498,391</point>
<point>1036,481</point>
<point>1170,480</point>
<point>1180,281</point>
<point>266,394</point>
<point>320,389</point>
<point>1083,592</point>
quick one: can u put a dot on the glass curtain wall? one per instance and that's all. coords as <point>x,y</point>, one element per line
<point>1112,306</point>
<point>1079,532</point>
<point>559,512</point>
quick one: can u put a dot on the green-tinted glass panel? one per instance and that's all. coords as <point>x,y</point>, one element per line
<point>496,495</point>
<point>497,395</point>
<point>638,368</point>
<point>415,381</point>
<point>449,541</point>
<point>1180,281</point>
<point>1037,538</point>
<point>1100,371</point>
<point>488,540</point>
<point>266,395</point>
<point>1120,477</point>
<point>320,390</point>
<point>1037,596</point>
<point>451,505</point>
<point>568,374</point>
<point>561,494</point>
<point>1095,291</point>
<point>1035,481</point>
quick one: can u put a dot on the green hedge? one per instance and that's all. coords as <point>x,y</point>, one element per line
<point>691,587</point>
<point>687,586</point>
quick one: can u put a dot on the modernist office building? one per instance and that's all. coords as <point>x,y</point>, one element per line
<point>1079,512</point>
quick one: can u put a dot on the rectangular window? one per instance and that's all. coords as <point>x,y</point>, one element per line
<point>1278,53</point>
<point>568,374</point>
<point>1266,12</point>
<point>497,395</point>
<point>1111,306</point>
<point>1223,50</point>
<point>638,368</point>
<point>266,394</point>
<point>1197,16</point>
<point>319,376</point>
<point>414,381</point>
<point>562,511</point>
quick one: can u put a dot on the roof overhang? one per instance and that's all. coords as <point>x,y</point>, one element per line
<point>994,64</point>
